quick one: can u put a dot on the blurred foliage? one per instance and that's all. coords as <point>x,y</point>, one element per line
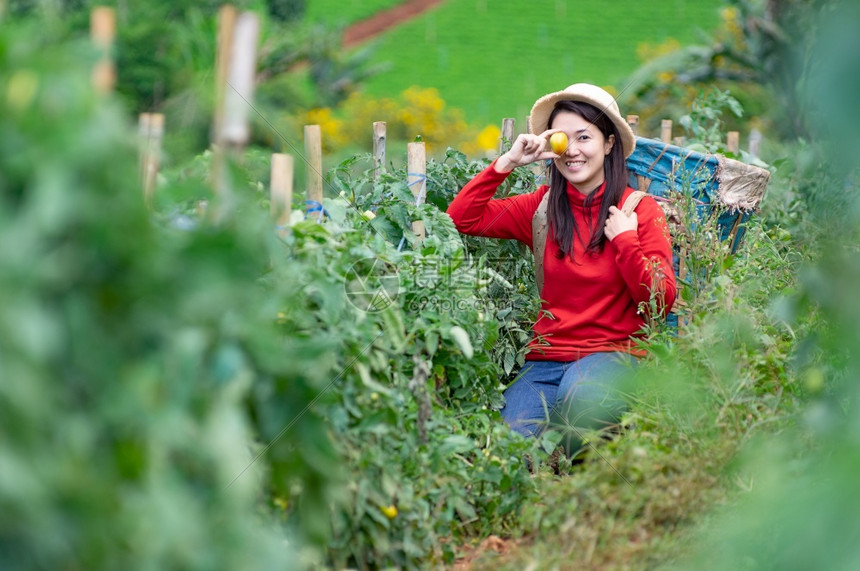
<point>128,348</point>
<point>795,513</point>
<point>703,125</point>
<point>760,53</point>
<point>336,72</point>
<point>165,56</point>
<point>286,10</point>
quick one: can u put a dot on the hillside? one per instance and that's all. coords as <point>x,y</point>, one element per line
<point>493,59</point>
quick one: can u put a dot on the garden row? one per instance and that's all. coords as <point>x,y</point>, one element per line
<point>199,389</point>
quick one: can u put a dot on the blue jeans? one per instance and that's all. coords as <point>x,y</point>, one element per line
<point>571,396</point>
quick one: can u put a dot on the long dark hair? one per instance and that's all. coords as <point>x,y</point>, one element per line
<point>614,171</point>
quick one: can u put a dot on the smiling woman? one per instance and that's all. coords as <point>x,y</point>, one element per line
<point>604,269</point>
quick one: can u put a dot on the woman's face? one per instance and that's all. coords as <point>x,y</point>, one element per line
<point>582,163</point>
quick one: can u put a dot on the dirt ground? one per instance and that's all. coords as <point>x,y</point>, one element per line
<point>381,21</point>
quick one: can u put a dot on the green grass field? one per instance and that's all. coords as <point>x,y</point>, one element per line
<point>493,59</point>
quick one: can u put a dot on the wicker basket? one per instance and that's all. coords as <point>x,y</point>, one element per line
<point>732,188</point>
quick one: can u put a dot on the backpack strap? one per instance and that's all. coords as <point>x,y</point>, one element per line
<point>632,201</point>
<point>540,227</point>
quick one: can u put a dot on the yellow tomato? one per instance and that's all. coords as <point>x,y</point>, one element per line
<point>558,143</point>
<point>389,511</point>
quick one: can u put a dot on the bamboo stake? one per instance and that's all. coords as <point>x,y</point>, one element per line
<point>102,33</point>
<point>633,121</point>
<point>281,190</point>
<point>152,156</point>
<point>236,86</point>
<point>239,88</point>
<point>679,141</point>
<point>378,148</point>
<point>755,142</point>
<point>103,27</point>
<point>226,24</point>
<point>507,136</point>
<point>313,155</point>
<point>416,179</point>
<point>143,121</point>
<point>666,130</point>
<point>733,141</point>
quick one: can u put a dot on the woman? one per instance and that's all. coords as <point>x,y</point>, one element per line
<point>601,269</point>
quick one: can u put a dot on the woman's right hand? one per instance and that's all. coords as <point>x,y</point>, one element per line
<point>527,148</point>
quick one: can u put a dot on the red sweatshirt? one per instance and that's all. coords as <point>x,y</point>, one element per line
<point>588,305</point>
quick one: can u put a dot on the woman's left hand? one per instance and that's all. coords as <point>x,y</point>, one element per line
<point>618,222</point>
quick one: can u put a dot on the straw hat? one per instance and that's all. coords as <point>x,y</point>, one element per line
<point>586,93</point>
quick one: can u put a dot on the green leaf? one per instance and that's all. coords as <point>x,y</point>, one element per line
<point>509,362</point>
<point>455,443</point>
<point>462,339</point>
<point>432,340</point>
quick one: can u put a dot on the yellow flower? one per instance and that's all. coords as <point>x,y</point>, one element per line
<point>729,13</point>
<point>647,52</point>
<point>488,138</point>
<point>732,23</point>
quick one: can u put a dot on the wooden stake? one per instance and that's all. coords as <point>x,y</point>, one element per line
<point>755,142</point>
<point>313,155</point>
<point>633,121</point>
<point>666,130</point>
<point>226,24</point>
<point>378,148</point>
<point>102,33</point>
<point>103,27</point>
<point>679,141</point>
<point>237,45</point>
<point>239,88</point>
<point>507,137</point>
<point>733,141</point>
<point>152,155</point>
<point>281,190</point>
<point>143,121</point>
<point>416,179</point>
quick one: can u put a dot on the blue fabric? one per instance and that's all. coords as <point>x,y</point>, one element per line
<point>674,169</point>
<point>570,396</point>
